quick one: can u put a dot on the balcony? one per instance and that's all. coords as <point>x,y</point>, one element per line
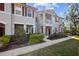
<point>48,21</point>
<point>23,19</point>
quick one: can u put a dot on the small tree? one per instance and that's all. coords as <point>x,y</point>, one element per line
<point>72,16</point>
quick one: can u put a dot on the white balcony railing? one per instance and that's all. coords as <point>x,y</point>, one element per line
<point>48,21</point>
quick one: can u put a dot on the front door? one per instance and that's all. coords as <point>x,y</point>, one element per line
<point>49,31</point>
<point>2,29</point>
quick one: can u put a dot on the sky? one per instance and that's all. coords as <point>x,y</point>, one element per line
<point>59,8</point>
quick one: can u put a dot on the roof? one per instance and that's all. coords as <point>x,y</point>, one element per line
<point>25,5</point>
<point>48,10</point>
<point>31,7</point>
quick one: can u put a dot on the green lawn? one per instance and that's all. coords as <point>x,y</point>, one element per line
<point>76,37</point>
<point>66,48</point>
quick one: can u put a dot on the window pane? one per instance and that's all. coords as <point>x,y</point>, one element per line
<point>18,12</point>
<point>18,8</point>
<point>19,29</point>
<point>48,16</point>
<point>29,13</point>
<point>29,29</point>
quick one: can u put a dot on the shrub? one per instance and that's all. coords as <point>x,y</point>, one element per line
<point>56,36</point>
<point>19,39</point>
<point>19,30</point>
<point>19,36</point>
<point>4,41</point>
<point>36,38</point>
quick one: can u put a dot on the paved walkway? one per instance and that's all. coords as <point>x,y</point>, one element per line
<point>45,39</point>
<point>31,48</point>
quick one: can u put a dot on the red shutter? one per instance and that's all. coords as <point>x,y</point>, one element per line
<point>12,8</point>
<point>22,11</point>
<point>2,6</point>
<point>33,13</point>
<point>25,11</point>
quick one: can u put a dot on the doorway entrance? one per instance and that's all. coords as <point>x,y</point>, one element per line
<point>48,30</point>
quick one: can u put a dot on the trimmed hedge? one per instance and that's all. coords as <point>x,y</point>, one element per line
<point>36,38</point>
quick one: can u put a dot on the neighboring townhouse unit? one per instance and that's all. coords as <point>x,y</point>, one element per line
<point>49,22</point>
<point>59,26</point>
<point>14,15</point>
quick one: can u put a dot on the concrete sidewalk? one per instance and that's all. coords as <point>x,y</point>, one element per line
<point>27,49</point>
<point>45,39</point>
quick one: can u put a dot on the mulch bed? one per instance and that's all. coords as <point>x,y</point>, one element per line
<point>13,46</point>
<point>57,38</point>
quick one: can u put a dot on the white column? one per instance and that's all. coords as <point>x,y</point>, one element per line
<point>53,24</point>
<point>25,27</point>
<point>44,30</point>
<point>33,28</point>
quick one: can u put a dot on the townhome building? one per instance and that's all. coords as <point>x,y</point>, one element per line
<point>14,15</point>
<point>20,16</point>
<point>49,22</point>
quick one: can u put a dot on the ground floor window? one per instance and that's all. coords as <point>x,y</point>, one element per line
<point>2,29</point>
<point>29,29</point>
<point>19,29</point>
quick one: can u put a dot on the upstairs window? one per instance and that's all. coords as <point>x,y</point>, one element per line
<point>18,12</point>
<point>29,12</point>
<point>48,16</point>
<point>18,9</point>
<point>41,15</point>
<point>2,6</point>
<point>56,19</point>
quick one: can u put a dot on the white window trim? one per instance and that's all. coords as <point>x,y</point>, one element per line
<point>28,12</point>
<point>18,23</point>
<point>16,9</point>
<point>2,22</point>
